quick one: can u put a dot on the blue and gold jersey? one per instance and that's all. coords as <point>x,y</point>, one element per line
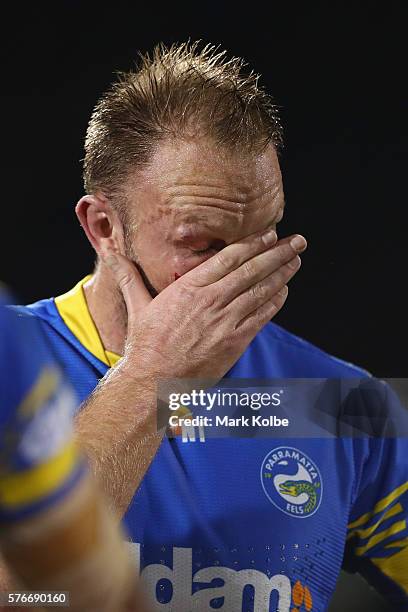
<point>256,524</point>
<point>39,463</point>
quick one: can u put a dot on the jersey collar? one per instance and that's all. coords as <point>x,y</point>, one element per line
<point>73,308</point>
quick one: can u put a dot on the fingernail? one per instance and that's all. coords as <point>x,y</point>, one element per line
<point>269,237</point>
<point>298,243</point>
<point>283,291</point>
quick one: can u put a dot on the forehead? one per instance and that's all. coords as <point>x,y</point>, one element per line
<point>199,183</point>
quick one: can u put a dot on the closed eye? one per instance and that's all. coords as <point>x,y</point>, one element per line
<point>203,251</point>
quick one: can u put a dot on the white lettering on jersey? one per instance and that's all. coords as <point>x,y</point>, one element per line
<point>189,433</point>
<point>235,581</point>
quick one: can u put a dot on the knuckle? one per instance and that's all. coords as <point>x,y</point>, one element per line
<point>210,298</point>
<point>125,280</point>
<point>248,269</point>
<point>224,260</point>
<point>273,310</point>
<point>201,297</point>
<point>258,291</point>
<point>281,295</point>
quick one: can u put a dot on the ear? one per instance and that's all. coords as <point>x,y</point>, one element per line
<point>100,222</point>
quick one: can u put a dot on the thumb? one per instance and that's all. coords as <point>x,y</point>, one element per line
<point>130,282</point>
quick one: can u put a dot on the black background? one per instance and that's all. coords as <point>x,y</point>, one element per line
<point>338,72</point>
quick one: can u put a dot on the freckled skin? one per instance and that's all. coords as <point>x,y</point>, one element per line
<point>194,198</point>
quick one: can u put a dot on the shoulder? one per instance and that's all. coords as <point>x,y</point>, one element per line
<point>18,328</point>
<point>80,366</point>
<point>43,310</point>
<point>48,319</point>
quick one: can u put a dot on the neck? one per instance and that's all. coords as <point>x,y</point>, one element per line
<point>107,309</point>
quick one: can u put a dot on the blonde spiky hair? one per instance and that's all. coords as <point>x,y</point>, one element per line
<point>183,91</point>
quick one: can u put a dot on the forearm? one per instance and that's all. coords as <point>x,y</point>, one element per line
<point>74,547</point>
<point>117,428</point>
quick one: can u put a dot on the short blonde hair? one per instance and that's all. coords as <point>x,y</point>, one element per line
<point>178,91</point>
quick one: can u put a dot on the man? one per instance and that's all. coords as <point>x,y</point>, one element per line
<point>183,195</point>
<point>55,531</point>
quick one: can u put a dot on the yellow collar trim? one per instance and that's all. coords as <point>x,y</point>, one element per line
<point>73,308</point>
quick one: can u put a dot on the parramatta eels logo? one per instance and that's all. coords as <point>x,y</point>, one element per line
<point>292,481</point>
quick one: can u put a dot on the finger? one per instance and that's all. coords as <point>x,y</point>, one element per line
<point>230,258</point>
<point>264,291</point>
<point>258,268</point>
<point>129,281</point>
<point>252,323</point>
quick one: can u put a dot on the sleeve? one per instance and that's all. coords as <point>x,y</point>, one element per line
<point>377,539</point>
<point>39,462</point>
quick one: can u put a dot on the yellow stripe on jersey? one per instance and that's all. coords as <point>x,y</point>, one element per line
<point>40,393</point>
<point>379,537</point>
<point>381,505</point>
<point>73,308</point>
<point>398,544</point>
<point>24,488</point>
<point>395,567</point>
<point>365,533</point>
